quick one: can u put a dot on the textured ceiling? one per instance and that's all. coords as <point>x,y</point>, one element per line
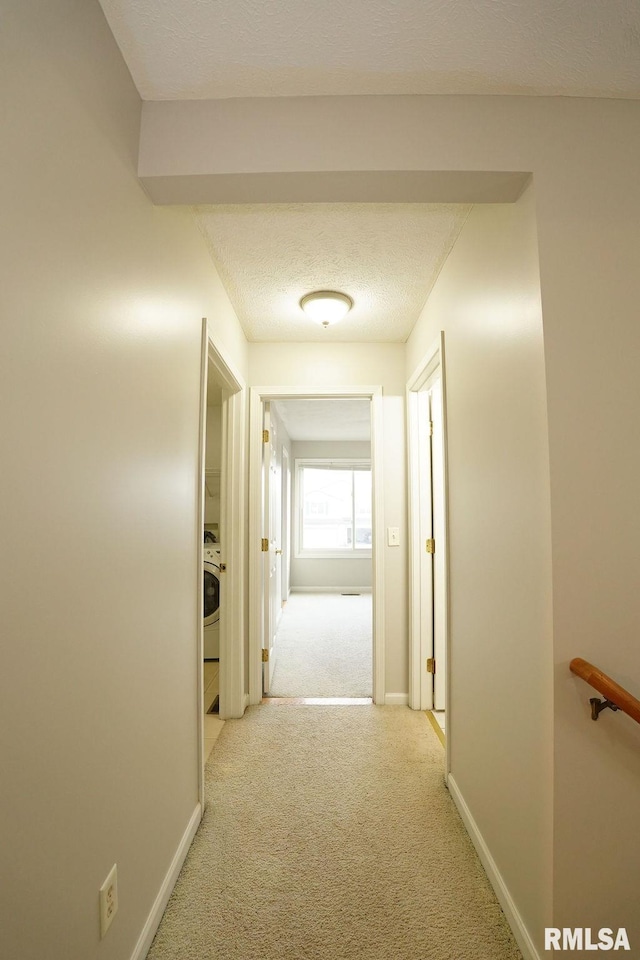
<point>329,419</point>
<point>193,49</point>
<point>386,257</point>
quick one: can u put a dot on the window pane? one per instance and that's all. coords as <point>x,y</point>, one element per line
<point>329,513</point>
<point>326,509</point>
<point>362,490</point>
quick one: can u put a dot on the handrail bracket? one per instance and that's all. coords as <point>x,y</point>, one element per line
<point>597,706</point>
<point>617,698</point>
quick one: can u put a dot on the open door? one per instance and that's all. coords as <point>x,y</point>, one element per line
<point>439,570</point>
<point>432,527</point>
<point>271,544</point>
<point>428,532</point>
<point>285,480</point>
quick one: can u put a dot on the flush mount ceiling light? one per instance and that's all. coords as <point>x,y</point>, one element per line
<point>326,306</point>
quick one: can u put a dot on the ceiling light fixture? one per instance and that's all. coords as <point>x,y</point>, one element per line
<point>326,306</point>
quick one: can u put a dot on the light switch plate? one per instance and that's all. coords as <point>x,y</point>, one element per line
<point>393,536</point>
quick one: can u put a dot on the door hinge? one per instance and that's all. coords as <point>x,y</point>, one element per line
<point>265,545</point>
<point>265,655</point>
<point>430,428</point>
<point>265,436</point>
<point>431,665</point>
<point>430,546</point>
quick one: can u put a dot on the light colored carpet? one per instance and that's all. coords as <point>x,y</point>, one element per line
<point>324,647</point>
<point>329,835</point>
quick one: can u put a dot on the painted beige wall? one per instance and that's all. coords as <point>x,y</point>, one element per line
<point>213,448</point>
<point>358,364</point>
<point>348,572</point>
<point>213,462</point>
<point>101,298</point>
<point>487,300</point>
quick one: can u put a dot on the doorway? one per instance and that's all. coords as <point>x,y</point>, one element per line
<point>211,559</point>
<point>428,578</point>
<point>320,540</point>
<point>318,616</point>
<point>221,519</point>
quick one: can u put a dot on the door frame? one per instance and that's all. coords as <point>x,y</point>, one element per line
<point>232,535</point>
<point>257,397</point>
<point>433,361</point>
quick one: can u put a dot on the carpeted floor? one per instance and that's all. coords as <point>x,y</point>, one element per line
<point>324,647</point>
<point>329,835</point>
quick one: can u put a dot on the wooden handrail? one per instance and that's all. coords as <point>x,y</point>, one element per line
<point>614,693</point>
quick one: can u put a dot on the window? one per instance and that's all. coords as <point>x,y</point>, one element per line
<point>333,508</point>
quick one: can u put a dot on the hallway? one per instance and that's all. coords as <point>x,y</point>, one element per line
<point>329,835</point>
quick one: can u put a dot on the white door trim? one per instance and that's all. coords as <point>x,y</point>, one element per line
<point>202,427</point>
<point>430,363</point>
<point>258,395</point>
<point>232,529</point>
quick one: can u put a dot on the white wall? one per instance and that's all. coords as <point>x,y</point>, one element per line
<point>213,447</point>
<point>317,365</point>
<point>101,297</point>
<point>311,572</point>
<point>487,300</point>
<point>213,462</point>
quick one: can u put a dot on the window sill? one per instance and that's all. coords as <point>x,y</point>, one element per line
<point>333,555</point>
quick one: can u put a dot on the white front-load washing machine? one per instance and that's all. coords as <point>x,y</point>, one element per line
<point>211,595</point>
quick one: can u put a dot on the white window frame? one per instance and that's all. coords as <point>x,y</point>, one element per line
<point>340,463</point>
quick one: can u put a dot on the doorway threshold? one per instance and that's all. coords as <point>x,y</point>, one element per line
<point>318,701</point>
<point>436,719</point>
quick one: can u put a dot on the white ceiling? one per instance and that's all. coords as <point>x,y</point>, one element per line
<point>386,257</point>
<point>193,49</point>
<point>328,419</point>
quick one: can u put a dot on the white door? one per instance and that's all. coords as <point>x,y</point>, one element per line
<point>439,532</point>
<point>272,551</point>
<point>426,533</point>
<point>285,480</point>
<point>432,534</point>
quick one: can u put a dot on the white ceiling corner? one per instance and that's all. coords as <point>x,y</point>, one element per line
<point>386,257</point>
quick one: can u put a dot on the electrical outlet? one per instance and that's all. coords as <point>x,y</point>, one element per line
<point>108,900</point>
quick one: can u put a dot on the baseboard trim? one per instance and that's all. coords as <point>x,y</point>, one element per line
<point>245,702</point>
<point>155,916</point>
<point>396,699</point>
<point>515,921</point>
<point>330,590</point>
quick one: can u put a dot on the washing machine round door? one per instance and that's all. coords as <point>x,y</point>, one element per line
<point>211,593</point>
